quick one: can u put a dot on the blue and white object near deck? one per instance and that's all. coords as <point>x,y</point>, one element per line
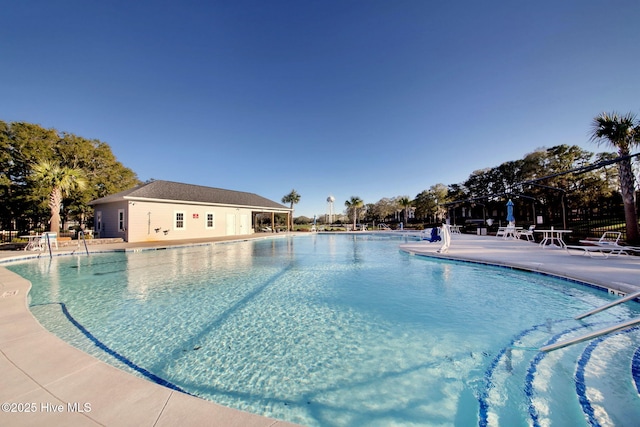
<point>510,217</point>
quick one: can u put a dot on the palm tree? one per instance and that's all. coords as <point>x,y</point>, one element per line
<point>352,205</point>
<point>59,181</point>
<point>291,198</point>
<point>621,132</point>
<point>405,202</point>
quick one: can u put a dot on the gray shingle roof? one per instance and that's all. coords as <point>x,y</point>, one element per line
<point>176,191</point>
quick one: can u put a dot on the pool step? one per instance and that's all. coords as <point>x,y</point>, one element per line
<point>593,380</point>
<point>605,379</point>
<point>572,384</point>
<point>505,376</point>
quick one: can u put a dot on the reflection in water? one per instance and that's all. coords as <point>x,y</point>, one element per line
<point>144,274</point>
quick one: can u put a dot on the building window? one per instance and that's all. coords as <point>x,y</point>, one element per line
<point>180,224</point>
<point>120,219</point>
<point>211,220</point>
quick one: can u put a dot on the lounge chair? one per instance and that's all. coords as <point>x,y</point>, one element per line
<point>605,251</point>
<point>607,245</point>
<point>608,238</point>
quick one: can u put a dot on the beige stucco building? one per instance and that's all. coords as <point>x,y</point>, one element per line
<point>164,211</point>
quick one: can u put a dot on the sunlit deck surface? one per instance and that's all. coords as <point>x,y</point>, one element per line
<point>56,380</point>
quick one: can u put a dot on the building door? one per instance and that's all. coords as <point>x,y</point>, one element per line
<point>231,224</point>
<point>245,224</point>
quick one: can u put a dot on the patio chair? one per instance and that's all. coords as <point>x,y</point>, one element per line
<point>528,233</point>
<point>53,240</point>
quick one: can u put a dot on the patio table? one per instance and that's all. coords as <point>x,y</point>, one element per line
<point>455,228</point>
<point>552,237</point>
<point>34,242</point>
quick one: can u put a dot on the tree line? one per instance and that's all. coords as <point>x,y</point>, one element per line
<point>544,177</point>
<point>493,184</point>
<point>47,176</point>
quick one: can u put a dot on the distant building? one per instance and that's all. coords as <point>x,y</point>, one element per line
<point>164,210</point>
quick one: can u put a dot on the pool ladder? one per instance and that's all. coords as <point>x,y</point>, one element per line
<point>81,235</point>
<point>599,332</point>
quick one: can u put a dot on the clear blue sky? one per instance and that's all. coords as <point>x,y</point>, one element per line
<point>350,98</point>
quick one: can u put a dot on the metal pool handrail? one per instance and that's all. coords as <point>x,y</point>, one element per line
<point>606,306</point>
<point>81,234</point>
<point>603,331</point>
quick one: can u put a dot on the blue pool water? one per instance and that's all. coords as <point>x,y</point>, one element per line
<point>343,330</point>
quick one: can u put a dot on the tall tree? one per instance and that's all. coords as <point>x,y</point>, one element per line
<point>23,144</point>
<point>353,205</point>
<point>5,177</point>
<point>383,209</point>
<point>60,181</point>
<point>405,202</point>
<point>621,132</point>
<point>428,203</point>
<point>291,198</point>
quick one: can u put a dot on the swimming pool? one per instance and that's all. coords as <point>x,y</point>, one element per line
<point>345,330</point>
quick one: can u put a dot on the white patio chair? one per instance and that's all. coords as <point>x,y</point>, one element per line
<point>528,233</point>
<point>53,240</point>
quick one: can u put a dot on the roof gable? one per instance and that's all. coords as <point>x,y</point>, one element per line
<point>175,191</point>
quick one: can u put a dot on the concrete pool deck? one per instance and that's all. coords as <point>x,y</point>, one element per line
<point>48,382</point>
<point>616,273</point>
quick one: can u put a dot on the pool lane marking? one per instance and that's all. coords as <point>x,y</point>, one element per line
<point>153,377</point>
